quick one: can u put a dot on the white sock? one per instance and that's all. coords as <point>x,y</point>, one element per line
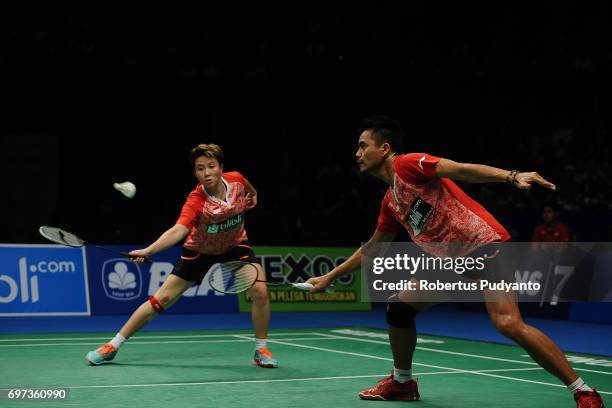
<point>260,343</point>
<point>580,385</point>
<point>117,341</point>
<point>402,376</point>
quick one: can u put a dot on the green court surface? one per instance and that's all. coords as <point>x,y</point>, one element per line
<point>318,368</point>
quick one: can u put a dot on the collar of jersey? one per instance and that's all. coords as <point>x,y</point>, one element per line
<point>393,190</point>
<point>218,200</point>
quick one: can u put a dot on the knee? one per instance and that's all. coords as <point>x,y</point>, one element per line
<point>400,314</point>
<point>160,302</point>
<point>508,325</point>
<point>259,294</point>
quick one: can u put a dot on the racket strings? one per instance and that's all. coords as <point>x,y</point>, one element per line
<point>232,278</point>
<point>60,236</point>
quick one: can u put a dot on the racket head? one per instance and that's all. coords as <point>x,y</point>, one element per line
<point>232,277</point>
<point>60,236</point>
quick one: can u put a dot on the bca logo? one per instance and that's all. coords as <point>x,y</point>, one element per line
<point>121,280</point>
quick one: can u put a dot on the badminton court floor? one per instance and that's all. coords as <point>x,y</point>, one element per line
<point>318,368</point>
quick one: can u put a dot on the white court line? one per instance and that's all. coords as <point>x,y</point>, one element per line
<point>245,340</point>
<point>348,377</point>
<point>456,353</point>
<point>419,364</point>
<point>349,353</point>
<point>507,369</point>
<point>478,371</point>
<point>194,336</point>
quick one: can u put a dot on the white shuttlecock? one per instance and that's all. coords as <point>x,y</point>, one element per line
<point>126,188</point>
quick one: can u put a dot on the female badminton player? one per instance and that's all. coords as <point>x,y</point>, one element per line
<point>212,219</point>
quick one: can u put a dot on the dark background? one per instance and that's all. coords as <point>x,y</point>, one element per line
<point>97,94</point>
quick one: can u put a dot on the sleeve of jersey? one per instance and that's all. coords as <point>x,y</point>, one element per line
<point>189,213</point>
<point>386,221</point>
<point>417,167</point>
<point>234,176</point>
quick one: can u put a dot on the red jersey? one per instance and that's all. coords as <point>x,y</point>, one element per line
<point>558,233</point>
<point>215,226</point>
<point>435,210</point>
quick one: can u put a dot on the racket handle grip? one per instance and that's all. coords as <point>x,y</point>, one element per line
<point>127,255</point>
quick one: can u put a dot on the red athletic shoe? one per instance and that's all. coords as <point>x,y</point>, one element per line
<point>588,399</point>
<point>388,389</point>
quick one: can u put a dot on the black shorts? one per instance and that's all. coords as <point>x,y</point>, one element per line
<point>192,266</point>
<point>498,263</point>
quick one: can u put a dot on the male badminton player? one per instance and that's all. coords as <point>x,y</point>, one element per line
<point>418,183</point>
<point>212,219</point>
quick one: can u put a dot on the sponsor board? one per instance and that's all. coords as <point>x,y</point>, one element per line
<point>118,286</point>
<point>298,264</point>
<point>43,280</point>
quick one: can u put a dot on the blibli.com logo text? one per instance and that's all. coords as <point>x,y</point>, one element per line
<point>25,286</point>
<point>227,225</point>
<point>122,280</point>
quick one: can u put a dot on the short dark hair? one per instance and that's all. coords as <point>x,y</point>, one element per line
<point>385,130</point>
<point>209,150</point>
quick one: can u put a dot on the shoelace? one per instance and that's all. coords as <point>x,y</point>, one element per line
<point>265,352</point>
<point>107,348</point>
<point>590,399</point>
<point>383,381</point>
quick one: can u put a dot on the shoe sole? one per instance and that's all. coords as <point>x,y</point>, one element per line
<point>371,397</point>
<point>96,364</point>
<point>376,397</point>
<point>264,365</point>
<point>92,363</point>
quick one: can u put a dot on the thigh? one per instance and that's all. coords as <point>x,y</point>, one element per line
<point>417,299</point>
<point>260,286</point>
<point>244,252</point>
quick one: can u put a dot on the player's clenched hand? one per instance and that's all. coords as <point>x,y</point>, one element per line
<point>525,180</point>
<point>138,255</point>
<point>320,283</point>
<point>251,201</point>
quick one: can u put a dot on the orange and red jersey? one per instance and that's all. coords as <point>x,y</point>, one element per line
<point>215,226</point>
<point>434,210</point>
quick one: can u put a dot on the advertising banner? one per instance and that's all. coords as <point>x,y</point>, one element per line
<point>298,264</point>
<point>118,286</point>
<point>43,280</point>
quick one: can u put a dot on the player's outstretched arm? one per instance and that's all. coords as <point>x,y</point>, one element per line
<point>251,195</point>
<point>169,238</point>
<point>479,173</point>
<point>353,262</point>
